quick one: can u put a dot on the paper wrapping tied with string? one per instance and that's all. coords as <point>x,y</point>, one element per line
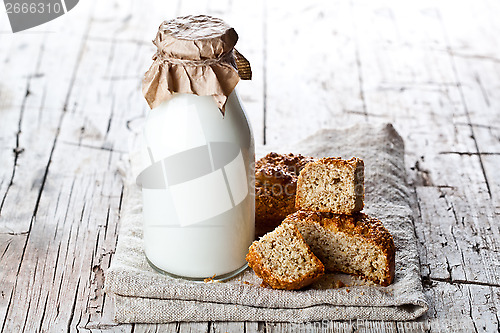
<point>143,295</point>
<point>196,55</point>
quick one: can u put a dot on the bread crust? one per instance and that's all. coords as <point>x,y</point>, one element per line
<point>256,262</point>
<point>275,188</point>
<point>355,167</point>
<point>359,224</point>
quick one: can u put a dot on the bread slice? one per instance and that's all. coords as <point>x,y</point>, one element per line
<point>331,185</point>
<point>283,260</point>
<point>355,244</point>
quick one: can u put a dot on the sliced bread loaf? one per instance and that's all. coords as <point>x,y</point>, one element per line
<point>283,260</point>
<point>275,186</point>
<point>331,185</point>
<point>355,244</point>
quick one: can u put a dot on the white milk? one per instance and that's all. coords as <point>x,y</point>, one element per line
<point>198,187</point>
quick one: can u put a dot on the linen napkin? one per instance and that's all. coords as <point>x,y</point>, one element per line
<point>143,295</point>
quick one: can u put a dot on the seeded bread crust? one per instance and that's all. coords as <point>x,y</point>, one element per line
<point>256,260</point>
<point>331,184</point>
<point>275,188</point>
<point>357,225</point>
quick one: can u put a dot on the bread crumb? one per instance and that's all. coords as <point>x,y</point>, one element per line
<point>339,284</point>
<point>211,279</point>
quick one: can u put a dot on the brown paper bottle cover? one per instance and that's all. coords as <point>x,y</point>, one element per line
<point>196,55</point>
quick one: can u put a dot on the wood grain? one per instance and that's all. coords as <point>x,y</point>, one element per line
<point>70,100</point>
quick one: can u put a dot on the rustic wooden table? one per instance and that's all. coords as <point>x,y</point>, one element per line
<point>70,99</point>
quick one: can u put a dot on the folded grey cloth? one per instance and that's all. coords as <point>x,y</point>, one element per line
<point>143,295</point>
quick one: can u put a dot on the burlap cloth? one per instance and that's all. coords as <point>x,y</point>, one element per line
<point>143,295</point>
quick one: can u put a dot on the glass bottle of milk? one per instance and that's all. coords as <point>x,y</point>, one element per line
<point>198,153</point>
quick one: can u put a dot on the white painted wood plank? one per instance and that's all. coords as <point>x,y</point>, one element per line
<point>221,327</point>
<point>455,238</point>
<point>155,328</point>
<point>312,74</point>
<point>69,279</point>
<point>38,111</point>
<point>67,244</point>
<point>35,89</point>
<point>426,101</point>
<point>18,60</point>
<point>193,327</point>
<point>472,310</point>
<point>254,327</point>
<point>477,63</point>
